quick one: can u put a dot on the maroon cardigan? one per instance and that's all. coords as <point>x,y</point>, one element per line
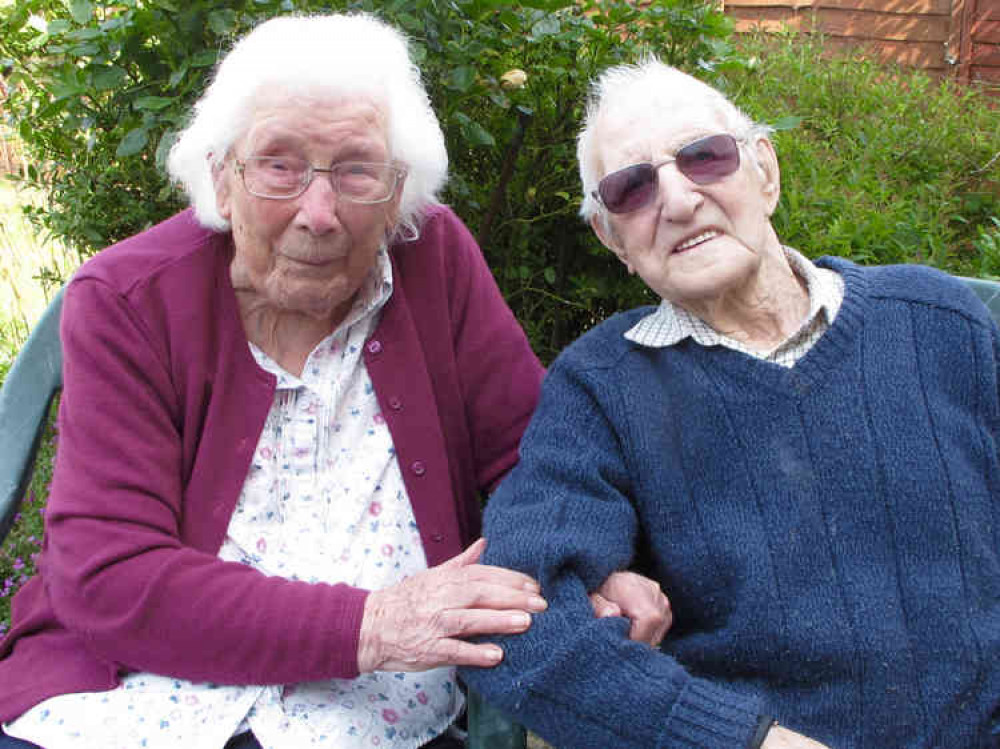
<point>161,411</point>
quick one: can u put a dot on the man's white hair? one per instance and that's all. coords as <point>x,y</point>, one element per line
<point>331,56</point>
<point>639,91</point>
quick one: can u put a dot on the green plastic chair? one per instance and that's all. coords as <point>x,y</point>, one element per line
<point>34,380</point>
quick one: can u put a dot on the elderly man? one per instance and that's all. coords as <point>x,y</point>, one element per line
<point>804,455</point>
<point>280,409</point>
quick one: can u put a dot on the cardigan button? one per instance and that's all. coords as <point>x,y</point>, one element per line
<point>395,403</point>
<point>374,347</point>
<point>437,537</point>
<point>418,467</point>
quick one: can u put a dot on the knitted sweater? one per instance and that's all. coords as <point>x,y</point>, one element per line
<point>828,535</point>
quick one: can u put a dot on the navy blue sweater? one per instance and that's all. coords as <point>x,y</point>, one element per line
<point>828,535</point>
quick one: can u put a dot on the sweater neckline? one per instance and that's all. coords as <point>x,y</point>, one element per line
<point>823,359</point>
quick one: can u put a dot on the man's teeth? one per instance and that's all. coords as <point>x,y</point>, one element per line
<point>695,240</point>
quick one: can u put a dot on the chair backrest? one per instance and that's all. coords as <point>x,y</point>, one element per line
<point>32,382</point>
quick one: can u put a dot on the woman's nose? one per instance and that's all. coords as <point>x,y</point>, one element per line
<point>318,205</point>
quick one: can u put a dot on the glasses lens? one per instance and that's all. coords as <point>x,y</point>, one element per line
<point>709,159</point>
<point>365,182</point>
<point>275,176</point>
<point>628,189</point>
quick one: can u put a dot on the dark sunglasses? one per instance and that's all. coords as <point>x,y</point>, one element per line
<point>705,161</point>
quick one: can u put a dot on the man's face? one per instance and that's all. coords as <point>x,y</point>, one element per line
<point>308,254</point>
<point>691,243</point>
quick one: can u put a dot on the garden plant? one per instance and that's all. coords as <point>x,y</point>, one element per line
<point>878,164</point>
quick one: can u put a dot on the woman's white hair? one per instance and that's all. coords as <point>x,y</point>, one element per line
<point>637,92</point>
<point>341,55</point>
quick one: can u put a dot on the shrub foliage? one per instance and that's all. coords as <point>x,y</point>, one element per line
<point>101,91</point>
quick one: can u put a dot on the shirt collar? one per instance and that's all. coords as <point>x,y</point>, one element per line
<point>670,324</point>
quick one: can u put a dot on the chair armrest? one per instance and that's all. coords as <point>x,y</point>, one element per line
<point>491,729</point>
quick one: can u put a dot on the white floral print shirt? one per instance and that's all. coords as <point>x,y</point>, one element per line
<point>324,501</point>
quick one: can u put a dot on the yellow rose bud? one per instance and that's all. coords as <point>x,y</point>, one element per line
<point>515,78</point>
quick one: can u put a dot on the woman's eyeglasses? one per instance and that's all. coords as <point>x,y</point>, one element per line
<point>703,162</point>
<point>284,177</point>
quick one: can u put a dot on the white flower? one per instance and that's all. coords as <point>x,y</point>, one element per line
<point>514,78</point>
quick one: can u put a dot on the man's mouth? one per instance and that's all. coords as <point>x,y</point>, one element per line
<point>687,244</point>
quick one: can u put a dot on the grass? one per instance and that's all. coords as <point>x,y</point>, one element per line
<point>33,267</point>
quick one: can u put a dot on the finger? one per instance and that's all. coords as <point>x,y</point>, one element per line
<point>490,574</point>
<point>464,594</point>
<point>480,622</point>
<point>460,653</point>
<point>447,652</point>
<point>603,608</point>
<point>470,556</point>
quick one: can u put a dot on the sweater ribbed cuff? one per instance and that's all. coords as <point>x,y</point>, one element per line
<point>707,717</point>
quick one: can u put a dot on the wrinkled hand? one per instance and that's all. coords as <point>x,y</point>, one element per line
<point>780,737</point>
<point>416,624</point>
<point>638,599</point>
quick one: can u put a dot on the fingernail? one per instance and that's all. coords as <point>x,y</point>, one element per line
<point>520,620</point>
<point>537,603</point>
<point>494,654</point>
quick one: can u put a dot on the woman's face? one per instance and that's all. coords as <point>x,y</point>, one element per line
<point>310,254</point>
<point>692,244</point>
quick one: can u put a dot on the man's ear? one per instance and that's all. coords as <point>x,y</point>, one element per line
<point>768,160</point>
<point>222,181</point>
<point>604,232</point>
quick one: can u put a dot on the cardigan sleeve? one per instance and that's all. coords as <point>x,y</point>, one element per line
<point>563,516</point>
<point>116,570</point>
<point>499,374</point>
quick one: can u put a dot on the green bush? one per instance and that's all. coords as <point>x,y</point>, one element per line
<point>100,93</point>
<point>879,164</point>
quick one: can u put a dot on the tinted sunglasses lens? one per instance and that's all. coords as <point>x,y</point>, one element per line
<point>709,159</point>
<point>628,189</point>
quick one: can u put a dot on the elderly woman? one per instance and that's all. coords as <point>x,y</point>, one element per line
<point>279,412</point>
<point>804,455</point>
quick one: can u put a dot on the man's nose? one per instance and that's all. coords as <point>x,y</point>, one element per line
<point>678,196</point>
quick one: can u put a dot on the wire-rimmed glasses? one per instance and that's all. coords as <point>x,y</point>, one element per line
<point>286,177</point>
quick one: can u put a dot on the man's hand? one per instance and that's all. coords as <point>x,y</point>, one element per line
<point>417,624</point>
<point>638,599</point>
<point>780,737</point>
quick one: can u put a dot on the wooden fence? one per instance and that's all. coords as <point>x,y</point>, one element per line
<point>960,38</point>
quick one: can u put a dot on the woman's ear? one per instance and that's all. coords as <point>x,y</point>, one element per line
<point>771,174</point>
<point>605,233</point>
<point>223,189</point>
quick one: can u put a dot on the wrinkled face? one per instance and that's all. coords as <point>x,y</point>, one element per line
<point>692,243</point>
<point>309,254</point>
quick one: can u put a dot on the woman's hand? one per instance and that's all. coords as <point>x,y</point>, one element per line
<point>638,599</point>
<point>417,624</point>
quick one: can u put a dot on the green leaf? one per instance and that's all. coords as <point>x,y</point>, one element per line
<point>133,142</point>
<point>546,27</point>
<point>222,22</point>
<point>81,10</point>
<point>153,103</point>
<point>787,123</point>
<point>476,135</point>
<point>462,78</point>
<point>550,275</point>
<point>204,59</point>
<point>108,78</point>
